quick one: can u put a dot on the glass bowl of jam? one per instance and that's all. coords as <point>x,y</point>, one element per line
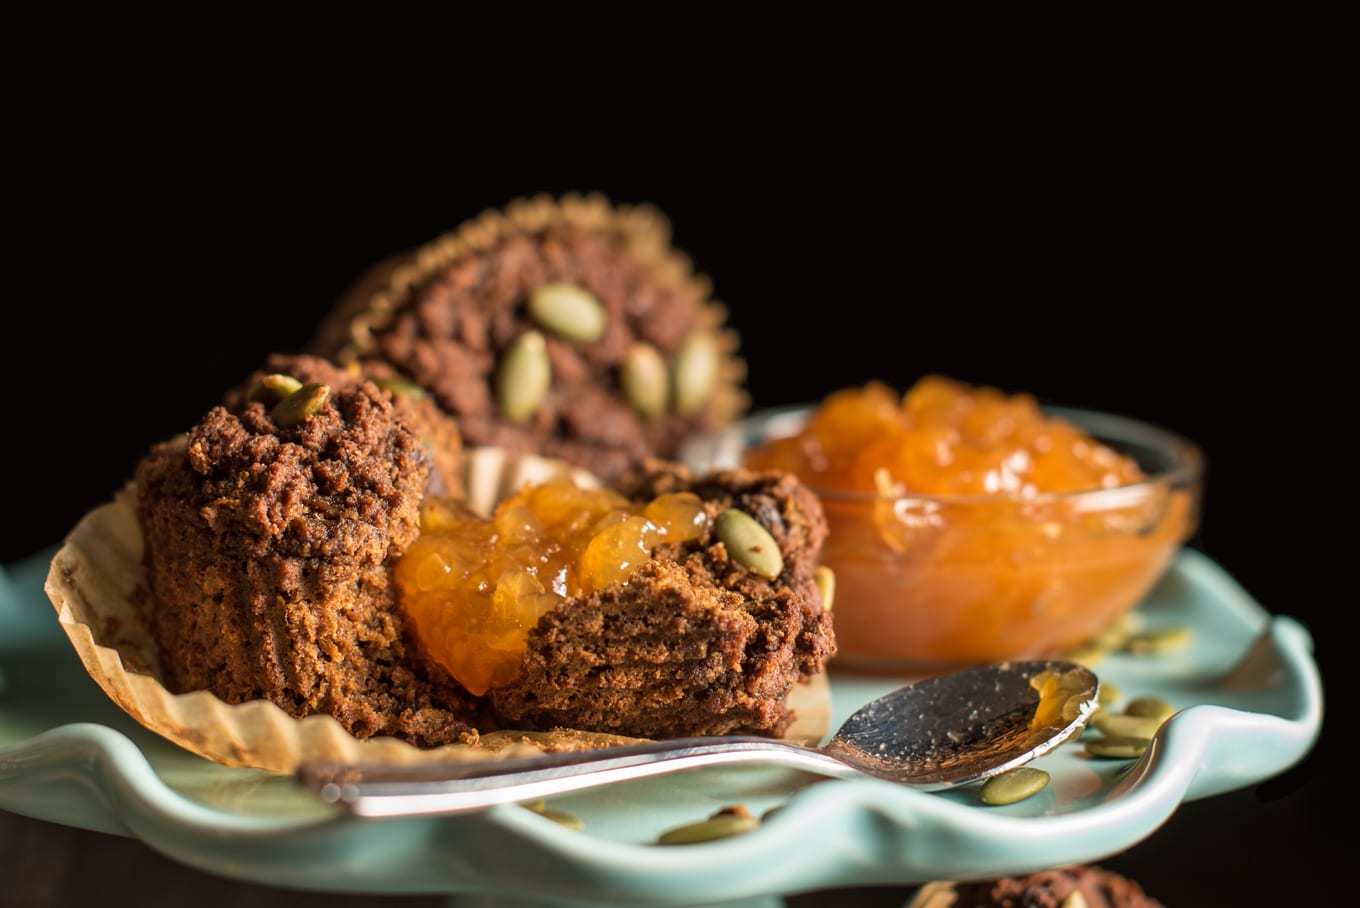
<point>969,525</point>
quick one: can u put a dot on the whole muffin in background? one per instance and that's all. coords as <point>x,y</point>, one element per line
<point>565,328</point>
<point>269,530</point>
<point>1077,886</point>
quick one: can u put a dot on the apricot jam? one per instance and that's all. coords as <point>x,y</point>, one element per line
<point>474,586</point>
<point>968,525</point>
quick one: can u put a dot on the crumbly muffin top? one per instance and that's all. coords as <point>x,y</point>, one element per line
<point>344,483</point>
<point>412,405</point>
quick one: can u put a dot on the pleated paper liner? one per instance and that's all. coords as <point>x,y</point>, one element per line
<point>347,332</point>
<point>94,583</point>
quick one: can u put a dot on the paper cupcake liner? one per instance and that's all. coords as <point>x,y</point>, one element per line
<point>347,333</point>
<point>96,582</point>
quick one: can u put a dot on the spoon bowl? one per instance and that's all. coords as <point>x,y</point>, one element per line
<point>942,731</point>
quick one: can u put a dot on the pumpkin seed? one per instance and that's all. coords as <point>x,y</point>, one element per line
<point>1108,694</point>
<point>524,376</point>
<point>301,405</point>
<point>1074,900</point>
<point>1116,747</point>
<point>560,817</point>
<point>749,543</point>
<point>696,372</point>
<point>723,824</point>
<point>568,311</point>
<point>272,388</point>
<point>825,578</point>
<point>1160,640</point>
<point>1149,706</point>
<point>1125,726</point>
<point>645,380</point>
<point>1013,785</point>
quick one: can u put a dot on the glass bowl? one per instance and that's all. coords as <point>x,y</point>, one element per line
<point>928,583</point>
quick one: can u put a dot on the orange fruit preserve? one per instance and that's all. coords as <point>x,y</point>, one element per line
<point>970,525</point>
<point>474,586</point>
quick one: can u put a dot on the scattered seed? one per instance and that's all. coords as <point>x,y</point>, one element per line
<point>560,817</point>
<point>1074,900</point>
<point>1160,640</point>
<point>568,311</point>
<point>1151,707</point>
<point>724,824</point>
<point>1013,785</point>
<point>524,376</point>
<point>749,543</point>
<point>1125,726</point>
<point>1120,748</point>
<point>1108,695</point>
<point>272,388</point>
<point>301,405</point>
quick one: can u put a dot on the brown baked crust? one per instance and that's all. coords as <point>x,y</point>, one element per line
<point>445,314</point>
<point>438,432</point>
<point>693,643</point>
<point>1099,887</point>
<point>267,553</point>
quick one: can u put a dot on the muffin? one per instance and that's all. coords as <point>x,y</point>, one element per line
<point>1078,886</point>
<point>709,635</point>
<point>569,328</point>
<point>247,596</point>
<point>268,534</point>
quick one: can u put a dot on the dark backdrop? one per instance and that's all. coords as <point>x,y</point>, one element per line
<point>1169,275</point>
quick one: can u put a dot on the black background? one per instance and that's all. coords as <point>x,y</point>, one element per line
<point>1163,260</point>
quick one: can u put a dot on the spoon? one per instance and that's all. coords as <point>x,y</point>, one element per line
<point>943,731</point>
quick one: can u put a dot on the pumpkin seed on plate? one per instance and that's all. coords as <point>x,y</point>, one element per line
<point>1117,747</point>
<point>1125,726</point>
<point>1152,707</point>
<point>560,817</point>
<point>1159,640</point>
<point>1108,694</point>
<point>728,822</point>
<point>1013,785</point>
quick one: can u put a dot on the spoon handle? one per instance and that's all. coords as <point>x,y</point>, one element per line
<point>387,791</point>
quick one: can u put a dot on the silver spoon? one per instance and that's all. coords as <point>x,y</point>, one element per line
<point>943,731</point>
